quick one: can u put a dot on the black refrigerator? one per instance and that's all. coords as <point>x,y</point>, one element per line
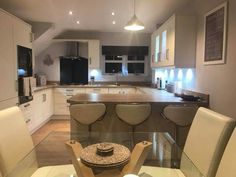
<point>73,70</point>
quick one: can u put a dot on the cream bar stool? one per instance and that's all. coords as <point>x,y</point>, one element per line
<point>228,162</point>
<point>180,116</point>
<point>206,141</point>
<point>133,114</point>
<point>87,113</point>
<point>16,143</point>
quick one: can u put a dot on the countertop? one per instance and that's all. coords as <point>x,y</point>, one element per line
<point>160,96</point>
<point>38,88</point>
<point>146,95</point>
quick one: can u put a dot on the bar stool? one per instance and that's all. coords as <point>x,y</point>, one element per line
<point>133,114</point>
<point>87,113</point>
<point>180,116</point>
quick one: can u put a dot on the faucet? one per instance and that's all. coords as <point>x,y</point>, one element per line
<point>117,77</point>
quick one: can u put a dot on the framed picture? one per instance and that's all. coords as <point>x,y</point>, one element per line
<point>215,35</point>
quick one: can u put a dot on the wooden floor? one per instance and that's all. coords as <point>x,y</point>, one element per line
<point>52,125</point>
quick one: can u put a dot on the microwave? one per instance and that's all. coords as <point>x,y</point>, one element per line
<point>24,57</point>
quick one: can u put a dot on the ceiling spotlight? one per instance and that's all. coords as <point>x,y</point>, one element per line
<point>113,13</point>
<point>78,22</point>
<point>113,22</point>
<point>70,12</point>
<point>134,24</point>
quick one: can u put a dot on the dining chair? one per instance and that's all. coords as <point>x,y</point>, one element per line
<point>87,113</point>
<point>16,143</point>
<point>205,144</point>
<point>227,164</point>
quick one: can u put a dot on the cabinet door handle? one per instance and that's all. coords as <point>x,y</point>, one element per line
<point>152,58</point>
<point>28,120</point>
<point>159,56</point>
<point>16,85</point>
<point>90,60</point>
<point>44,97</point>
<point>167,54</point>
<point>26,105</point>
<point>70,90</point>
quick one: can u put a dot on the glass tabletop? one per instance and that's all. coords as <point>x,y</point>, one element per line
<point>163,155</point>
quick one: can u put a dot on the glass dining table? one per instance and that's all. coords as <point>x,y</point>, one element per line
<point>163,154</point>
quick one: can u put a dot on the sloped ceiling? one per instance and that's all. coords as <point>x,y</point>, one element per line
<point>92,14</point>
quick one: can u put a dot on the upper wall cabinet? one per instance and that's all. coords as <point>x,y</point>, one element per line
<point>12,33</point>
<point>8,89</point>
<point>174,43</point>
<point>94,54</point>
<point>22,33</point>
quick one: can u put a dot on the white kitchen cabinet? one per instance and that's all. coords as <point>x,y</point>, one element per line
<point>28,112</point>
<point>174,43</point>
<point>8,75</point>
<point>61,107</point>
<point>43,106</point>
<point>97,90</point>
<point>22,33</point>
<point>94,54</point>
<point>122,90</point>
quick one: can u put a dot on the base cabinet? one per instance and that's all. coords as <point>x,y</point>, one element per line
<point>38,111</point>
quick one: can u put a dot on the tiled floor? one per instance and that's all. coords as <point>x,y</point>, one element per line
<point>52,125</point>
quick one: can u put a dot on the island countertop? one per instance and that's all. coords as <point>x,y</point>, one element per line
<point>159,96</point>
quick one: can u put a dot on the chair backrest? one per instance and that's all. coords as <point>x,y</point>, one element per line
<point>15,140</point>
<point>87,113</point>
<point>181,115</point>
<point>133,114</point>
<point>206,141</point>
<point>228,162</point>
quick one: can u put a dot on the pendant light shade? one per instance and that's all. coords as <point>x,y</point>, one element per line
<point>134,24</point>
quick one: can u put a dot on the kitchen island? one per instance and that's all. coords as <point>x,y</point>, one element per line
<point>111,123</point>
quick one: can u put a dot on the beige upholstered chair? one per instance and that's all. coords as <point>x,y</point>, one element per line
<point>228,161</point>
<point>205,145</point>
<point>87,114</point>
<point>180,116</point>
<point>16,143</point>
<point>133,114</point>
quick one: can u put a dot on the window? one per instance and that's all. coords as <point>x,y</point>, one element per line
<point>125,60</point>
<point>126,64</point>
<point>113,68</point>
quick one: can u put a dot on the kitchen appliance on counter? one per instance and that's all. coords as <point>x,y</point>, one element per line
<point>41,80</point>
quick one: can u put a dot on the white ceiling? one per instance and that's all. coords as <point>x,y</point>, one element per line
<point>93,14</point>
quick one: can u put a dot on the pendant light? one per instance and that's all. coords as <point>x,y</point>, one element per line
<point>134,24</point>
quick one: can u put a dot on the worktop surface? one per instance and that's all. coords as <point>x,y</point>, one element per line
<point>159,96</point>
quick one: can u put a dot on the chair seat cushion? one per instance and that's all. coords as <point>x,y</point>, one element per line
<point>161,172</point>
<point>55,171</point>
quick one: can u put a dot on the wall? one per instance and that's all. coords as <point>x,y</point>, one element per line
<point>217,80</point>
<point>57,49</point>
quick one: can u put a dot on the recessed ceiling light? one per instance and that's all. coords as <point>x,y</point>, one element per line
<point>70,12</point>
<point>78,22</point>
<point>113,22</point>
<point>113,13</point>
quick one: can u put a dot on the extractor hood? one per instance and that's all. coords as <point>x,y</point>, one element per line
<point>72,50</point>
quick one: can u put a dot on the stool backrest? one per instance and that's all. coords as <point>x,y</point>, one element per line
<point>133,114</point>
<point>181,115</point>
<point>228,162</point>
<point>206,141</point>
<point>15,140</point>
<point>87,113</point>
